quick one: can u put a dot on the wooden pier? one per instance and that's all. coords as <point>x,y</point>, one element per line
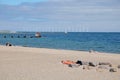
<point>20,35</point>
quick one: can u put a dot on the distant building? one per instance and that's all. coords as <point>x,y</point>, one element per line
<point>37,34</point>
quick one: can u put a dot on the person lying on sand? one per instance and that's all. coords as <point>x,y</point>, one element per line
<point>88,65</point>
<point>68,62</point>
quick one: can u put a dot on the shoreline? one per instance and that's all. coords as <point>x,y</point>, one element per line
<point>65,49</point>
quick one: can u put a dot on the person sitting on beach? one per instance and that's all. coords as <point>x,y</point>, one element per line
<point>91,51</point>
<point>8,44</point>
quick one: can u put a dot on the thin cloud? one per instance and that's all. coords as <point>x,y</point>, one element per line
<point>61,13</point>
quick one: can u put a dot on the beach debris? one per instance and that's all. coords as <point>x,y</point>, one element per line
<point>112,70</point>
<point>92,64</point>
<point>118,66</point>
<point>85,63</point>
<point>83,67</point>
<point>73,65</point>
<point>105,63</point>
<point>86,67</point>
<point>102,67</point>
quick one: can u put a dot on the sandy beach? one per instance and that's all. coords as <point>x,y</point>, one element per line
<point>23,63</point>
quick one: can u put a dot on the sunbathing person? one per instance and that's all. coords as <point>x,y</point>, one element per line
<point>68,62</point>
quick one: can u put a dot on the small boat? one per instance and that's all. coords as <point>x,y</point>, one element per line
<point>37,35</point>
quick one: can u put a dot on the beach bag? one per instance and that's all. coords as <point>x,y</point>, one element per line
<point>79,62</point>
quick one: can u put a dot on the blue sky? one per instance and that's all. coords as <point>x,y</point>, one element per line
<point>17,2</point>
<point>60,15</point>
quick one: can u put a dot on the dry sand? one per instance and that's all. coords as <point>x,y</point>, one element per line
<point>22,63</point>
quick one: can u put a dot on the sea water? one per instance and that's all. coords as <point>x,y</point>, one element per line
<point>83,41</point>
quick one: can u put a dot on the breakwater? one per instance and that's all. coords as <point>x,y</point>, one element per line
<point>20,35</point>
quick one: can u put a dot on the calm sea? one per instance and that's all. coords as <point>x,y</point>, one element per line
<point>85,41</point>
